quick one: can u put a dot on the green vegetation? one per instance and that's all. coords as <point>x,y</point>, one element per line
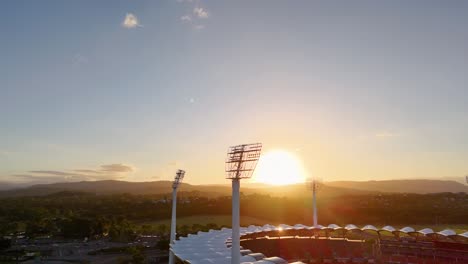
<point>218,220</point>
<point>123,216</point>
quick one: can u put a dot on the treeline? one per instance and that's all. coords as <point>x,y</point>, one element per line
<point>76,214</point>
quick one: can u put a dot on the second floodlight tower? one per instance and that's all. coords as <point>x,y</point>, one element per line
<point>240,164</point>
<point>314,186</point>
<point>314,191</point>
<point>177,180</point>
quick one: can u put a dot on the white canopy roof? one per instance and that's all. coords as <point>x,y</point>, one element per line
<point>426,231</point>
<point>370,227</point>
<point>447,232</point>
<point>214,246</point>
<point>407,230</point>
<point>388,229</point>
<point>351,227</point>
<point>333,226</point>
<point>247,259</point>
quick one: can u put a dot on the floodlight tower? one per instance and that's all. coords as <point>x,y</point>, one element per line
<point>314,190</point>
<point>177,180</point>
<point>314,185</point>
<point>240,164</point>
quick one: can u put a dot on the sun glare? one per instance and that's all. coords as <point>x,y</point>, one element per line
<point>279,167</point>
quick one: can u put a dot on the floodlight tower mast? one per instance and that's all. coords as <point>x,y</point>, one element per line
<point>314,190</point>
<point>177,180</point>
<point>314,185</point>
<point>240,164</point>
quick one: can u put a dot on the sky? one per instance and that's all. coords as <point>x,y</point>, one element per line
<point>133,90</point>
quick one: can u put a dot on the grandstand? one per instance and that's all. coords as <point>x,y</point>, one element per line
<point>326,244</point>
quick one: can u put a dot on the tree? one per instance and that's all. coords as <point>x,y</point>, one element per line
<point>162,229</point>
<point>146,229</point>
<point>5,244</point>
<point>184,230</point>
<point>163,244</point>
<point>77,227</point>
<point>137,255</point>
<point>211,226</point>
<point>121,231</point>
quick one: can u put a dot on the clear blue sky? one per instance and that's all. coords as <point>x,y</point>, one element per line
<point>355,89</point>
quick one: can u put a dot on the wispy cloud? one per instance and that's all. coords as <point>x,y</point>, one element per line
<point>131,21</point>
<point>117,168</point>
<point>53,173</point>
<point>195,18</point>
<point>200,12</point>
<point>89,171</point>
<point>186,18</point>
<point>36,179</point>
<point>104,172</point>
<point>198,27</point>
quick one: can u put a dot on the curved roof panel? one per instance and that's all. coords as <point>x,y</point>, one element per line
<point>447,232</point>
<point>299,226</point>
<point>426,231</point>
<point>370,227</point>
<point>351,227</point>
<point>276,260</point>
<point>407,229</point>
<point>318,227</point>
<point>388,228</point>
<point>333,226</point>
<point>247,259</point>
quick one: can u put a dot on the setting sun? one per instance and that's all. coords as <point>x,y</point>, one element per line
<point>279,167</point>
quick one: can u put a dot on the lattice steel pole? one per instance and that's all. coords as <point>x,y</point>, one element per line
<point>240,164</point>
<point>177,180</point>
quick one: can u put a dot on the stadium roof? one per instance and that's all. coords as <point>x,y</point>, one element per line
<point>214,246</point>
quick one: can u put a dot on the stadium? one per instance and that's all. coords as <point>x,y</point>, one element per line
<point>297,244</point>
<point>325,244</point>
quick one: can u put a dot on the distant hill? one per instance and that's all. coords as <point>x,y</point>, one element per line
<point>165,187</point>
<point>6,186</point>
<point>404,186</point>
<point>328,189</point>
<point>110,187</point>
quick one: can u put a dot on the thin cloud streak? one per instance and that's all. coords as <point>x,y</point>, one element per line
<point>105,172</point>
<point>51,172</point>
<point>117,168</point>
<point>89,171</point>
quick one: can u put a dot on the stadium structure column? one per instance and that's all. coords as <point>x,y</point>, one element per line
<point>235,256</point>
<point>240,164</point>
<point>315,202</point>
<point>177,180</point>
